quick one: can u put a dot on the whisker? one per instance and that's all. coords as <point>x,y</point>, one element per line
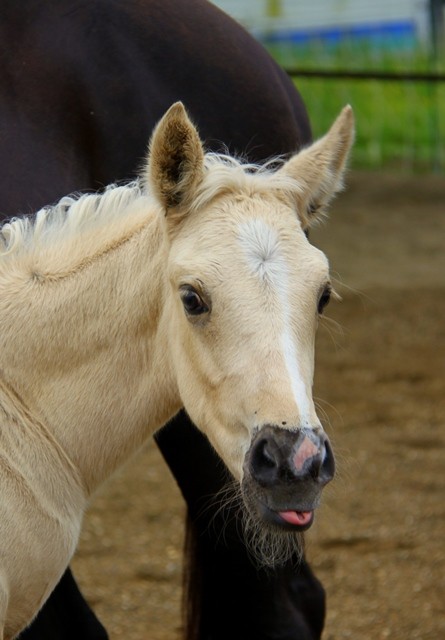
<point>318,403</point>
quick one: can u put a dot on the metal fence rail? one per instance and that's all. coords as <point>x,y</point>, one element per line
<point>400,114</point>
<point>410,76</point>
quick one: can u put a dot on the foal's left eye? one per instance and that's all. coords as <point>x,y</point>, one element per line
<point>192,301</point>
<point>324,299</point>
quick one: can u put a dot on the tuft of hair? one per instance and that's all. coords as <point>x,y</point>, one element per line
<point>267,547</point>
<point>225,174</point>
<point>271,548</point>
<point>69,217</point>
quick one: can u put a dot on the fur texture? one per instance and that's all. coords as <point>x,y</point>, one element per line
<point>98,348</point>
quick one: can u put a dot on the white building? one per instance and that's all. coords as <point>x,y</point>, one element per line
<point>389,23</point>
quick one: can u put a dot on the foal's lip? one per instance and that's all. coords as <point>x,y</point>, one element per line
<point>289,520</point>
<point>297,518</point>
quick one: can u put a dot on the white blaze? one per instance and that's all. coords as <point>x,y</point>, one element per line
<point>262,250</point>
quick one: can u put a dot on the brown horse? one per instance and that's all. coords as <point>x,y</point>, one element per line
<point>81,86</point>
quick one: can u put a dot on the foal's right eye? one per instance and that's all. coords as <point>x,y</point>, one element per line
<point>324,299</point>
<point>192,301</point>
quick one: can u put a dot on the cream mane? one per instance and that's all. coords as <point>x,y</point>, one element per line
<point>86,221</point>
<point>72,216</point>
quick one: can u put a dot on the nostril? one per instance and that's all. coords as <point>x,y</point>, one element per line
<point>263,457</point>
<point>315,467</point>
<point>327,469</point>
<point>264,465</point>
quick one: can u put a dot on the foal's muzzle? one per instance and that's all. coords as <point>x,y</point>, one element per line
<point>284,474</point>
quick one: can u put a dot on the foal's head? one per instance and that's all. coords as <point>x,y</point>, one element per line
<point>246,291</point>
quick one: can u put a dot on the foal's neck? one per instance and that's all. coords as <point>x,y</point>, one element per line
<point>102,379</point>
<point>127,390</point>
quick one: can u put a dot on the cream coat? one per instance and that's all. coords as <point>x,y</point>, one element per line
<point>97,349</point>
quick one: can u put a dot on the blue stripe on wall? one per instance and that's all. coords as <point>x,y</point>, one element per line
<point>394,34</point>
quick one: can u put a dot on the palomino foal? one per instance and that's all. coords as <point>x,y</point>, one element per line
<point>195,287</point>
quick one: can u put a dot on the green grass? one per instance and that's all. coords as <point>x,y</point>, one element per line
<point>354,55</point>
<point>400,124</point>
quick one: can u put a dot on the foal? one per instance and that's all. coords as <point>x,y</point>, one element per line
<point>195,287</point>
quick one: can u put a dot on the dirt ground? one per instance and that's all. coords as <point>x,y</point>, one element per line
<point>378,543</point>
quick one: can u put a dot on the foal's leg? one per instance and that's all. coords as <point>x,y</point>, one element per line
<point>226,595</point>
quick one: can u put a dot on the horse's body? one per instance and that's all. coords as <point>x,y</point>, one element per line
<point>81,86</point>
<point>126,305</point>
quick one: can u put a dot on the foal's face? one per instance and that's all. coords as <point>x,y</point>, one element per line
<point>246,292</point>
<point>248,289</point>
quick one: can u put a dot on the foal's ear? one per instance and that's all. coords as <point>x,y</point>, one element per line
<point>175,158</point>
<point>319,169</point>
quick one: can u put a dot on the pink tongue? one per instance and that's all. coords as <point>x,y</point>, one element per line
<point>296,517</point>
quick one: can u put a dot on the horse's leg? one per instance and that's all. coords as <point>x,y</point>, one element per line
<point>226,596</point>
<point>65,616</point>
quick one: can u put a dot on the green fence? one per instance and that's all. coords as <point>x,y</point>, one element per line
<point>399,103</point>
<point>400,123</point>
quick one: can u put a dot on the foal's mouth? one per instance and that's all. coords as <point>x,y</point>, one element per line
<point>287,519</point>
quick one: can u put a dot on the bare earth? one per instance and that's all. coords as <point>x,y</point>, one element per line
<point>378,543</point>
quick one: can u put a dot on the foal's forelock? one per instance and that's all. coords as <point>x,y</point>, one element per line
<point>225,175</point>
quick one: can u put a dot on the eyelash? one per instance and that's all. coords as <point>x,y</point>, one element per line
<point>324,299</point>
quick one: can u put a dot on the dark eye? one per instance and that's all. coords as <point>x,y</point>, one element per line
<point>324,299</point>
<point>192,301</point>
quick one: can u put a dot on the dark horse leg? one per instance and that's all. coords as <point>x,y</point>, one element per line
<point>65,616</point>
<point>226,596</point>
